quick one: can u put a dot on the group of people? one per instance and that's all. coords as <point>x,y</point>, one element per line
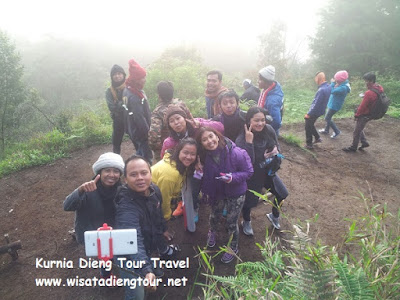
<point>332,96</point>
<point>222,158</point>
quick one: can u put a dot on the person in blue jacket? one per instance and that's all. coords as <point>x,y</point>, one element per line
<point>271,97</point>
<point>317,109</point>
<point>340,88</point>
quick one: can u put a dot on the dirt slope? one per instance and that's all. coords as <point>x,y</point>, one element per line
<point>327,184</point>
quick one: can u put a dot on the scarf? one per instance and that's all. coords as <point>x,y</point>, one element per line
<point>107,194</point>
<point>264,94</point>
<point>214,96</point>
<point>130,85</point>
<point>116,90</point>
<point>232,124</point>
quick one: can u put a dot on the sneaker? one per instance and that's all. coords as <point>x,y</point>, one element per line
<point>307,146</point>
<point>274,221</point>
<point>228,257</point>
<point>335,135</point>
<point>349,149</point>
<point>318,141</point>
<point>323,131</point>
<point>247,229</point>
<point>363,145</point>
<point>179,210</point>
<point>211,240</point>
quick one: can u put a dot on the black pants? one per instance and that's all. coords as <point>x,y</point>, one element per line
<point>118,133</point>
<point>311,130</point>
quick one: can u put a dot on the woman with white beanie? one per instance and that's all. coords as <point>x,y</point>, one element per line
<point>93,201</point>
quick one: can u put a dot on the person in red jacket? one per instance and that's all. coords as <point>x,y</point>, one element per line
<point>363,112</point>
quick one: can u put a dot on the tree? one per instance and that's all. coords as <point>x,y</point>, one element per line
<point>12,91</point>
<point>359,36</point>
<point>272,50</point>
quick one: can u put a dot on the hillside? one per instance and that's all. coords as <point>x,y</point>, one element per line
<point>327,183</point>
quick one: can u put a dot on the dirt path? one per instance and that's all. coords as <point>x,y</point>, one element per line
<point>327,184</point>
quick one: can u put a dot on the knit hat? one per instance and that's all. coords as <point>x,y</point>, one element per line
<point>136,72</point>
<point>247,81</point>
<point>115,69</point>
<point>108,160</point>
<point>172,110</point>
<point>341,76</point>
<point>268,73</point>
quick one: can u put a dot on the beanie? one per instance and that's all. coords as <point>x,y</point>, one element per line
<point>172,110</point>
<point>136,72</point>
<point>115,69</point>
<point>341,76</point>
<point>109,160</point>
<point>268,73</point>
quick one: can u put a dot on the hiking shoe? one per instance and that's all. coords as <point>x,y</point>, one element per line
<point>349,149</point>
<point>274,220</point>
<point>318,141</point>
<point>323,131</point>
<point>363,145</point>
<point>335,135</point>
<point>307,146</point>
<point>228,257</point>
<point>179,210</point>
<point>225,212</point>
<point>211,240</point>
<point>247,229</point>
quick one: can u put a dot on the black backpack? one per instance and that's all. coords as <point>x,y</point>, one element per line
<point>381,105</point>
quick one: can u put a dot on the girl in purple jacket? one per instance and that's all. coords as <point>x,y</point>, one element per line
<point>226,168</point>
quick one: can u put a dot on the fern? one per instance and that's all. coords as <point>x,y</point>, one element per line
<point>355,285</point>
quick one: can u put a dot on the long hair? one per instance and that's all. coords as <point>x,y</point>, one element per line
<point>202,150</point>
<point>175,156</point>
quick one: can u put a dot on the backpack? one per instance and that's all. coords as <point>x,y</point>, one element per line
<point>381,105</point>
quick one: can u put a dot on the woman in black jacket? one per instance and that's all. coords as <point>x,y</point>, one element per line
<point>260,141</point>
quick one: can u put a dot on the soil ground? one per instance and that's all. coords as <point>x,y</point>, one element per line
<point>327,183</point>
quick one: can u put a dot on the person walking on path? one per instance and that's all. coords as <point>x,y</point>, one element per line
<point>317,109</point>
<point>137,113</point>
<point>226,168</point>
<point>114,103</point>
<point>340,88</point>
<point>362,115</point>
<point>261,143</point>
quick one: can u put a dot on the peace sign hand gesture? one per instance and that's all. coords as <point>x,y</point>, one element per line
<point>248,134</point>
<point>89,186</point>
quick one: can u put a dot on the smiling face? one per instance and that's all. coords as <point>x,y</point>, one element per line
<point>209,140</point>
<point>109,176</point>
<point>188,155</point>
<point>257,122</point>
<point>177,123</point>
<point>228,105</point>
<point>138,176</point>
<point>213,83</point>
<point>118,77</point>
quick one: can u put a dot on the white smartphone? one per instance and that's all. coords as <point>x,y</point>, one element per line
<point>124,241</point>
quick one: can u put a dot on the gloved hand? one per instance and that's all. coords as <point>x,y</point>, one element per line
<point>171,251</point>
<point>225,177</point>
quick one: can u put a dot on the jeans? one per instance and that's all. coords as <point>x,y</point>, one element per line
<point>310,130</point>
<point>358,133</point>
<point>118,133</point>
<point>143,149</point>
<point>132,294</point>
<point>209,107</point>
<point>329,122</point>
